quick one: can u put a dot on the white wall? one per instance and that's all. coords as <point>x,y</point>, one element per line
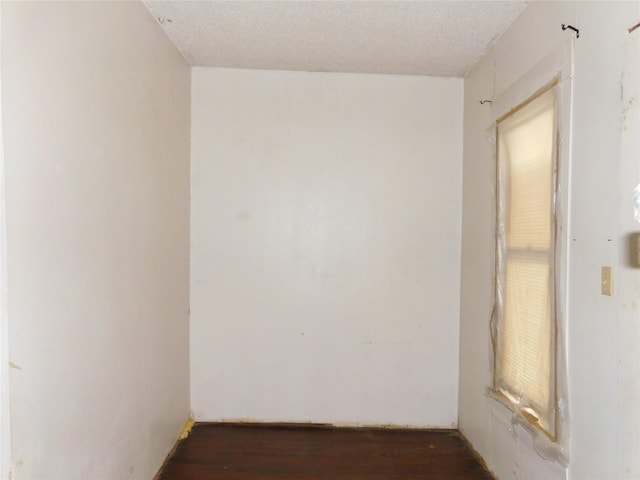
<point>4,336</point>
<point>325,247</point>
<point>96,133</point>
<point>603,332</point>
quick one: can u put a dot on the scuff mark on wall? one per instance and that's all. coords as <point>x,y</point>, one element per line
<point>636,203</point>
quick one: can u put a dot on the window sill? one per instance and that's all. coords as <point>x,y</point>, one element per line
<point>504,411</point>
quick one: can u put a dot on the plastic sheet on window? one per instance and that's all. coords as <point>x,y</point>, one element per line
<point>550,438</point>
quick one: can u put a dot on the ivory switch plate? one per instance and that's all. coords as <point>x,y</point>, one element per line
<point>607,281</point>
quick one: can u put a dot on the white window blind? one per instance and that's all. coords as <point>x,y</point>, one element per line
<point>525,349</point>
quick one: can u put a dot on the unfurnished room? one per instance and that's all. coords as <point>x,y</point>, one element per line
<point>311,240</point>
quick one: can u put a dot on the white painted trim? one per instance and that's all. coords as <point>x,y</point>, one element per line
<point>5,437</point>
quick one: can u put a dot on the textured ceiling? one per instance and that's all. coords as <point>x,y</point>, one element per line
<point>416,38</point>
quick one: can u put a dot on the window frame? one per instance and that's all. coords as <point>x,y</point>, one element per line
<point>508,93</point>
<point>502,250</point>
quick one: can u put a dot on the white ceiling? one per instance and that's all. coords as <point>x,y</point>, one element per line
<point>443,38</point>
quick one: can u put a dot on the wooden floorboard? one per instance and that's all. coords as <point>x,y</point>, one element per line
<point>268,452</point>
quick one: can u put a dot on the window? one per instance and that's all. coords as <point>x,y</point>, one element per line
<point>525,351</point>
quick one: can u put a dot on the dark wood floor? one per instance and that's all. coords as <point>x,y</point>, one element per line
<point>244,452</point>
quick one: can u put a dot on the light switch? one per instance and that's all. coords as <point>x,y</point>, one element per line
<point>607,281</point>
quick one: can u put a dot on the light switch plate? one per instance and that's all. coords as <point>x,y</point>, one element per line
<point>607,281</point>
